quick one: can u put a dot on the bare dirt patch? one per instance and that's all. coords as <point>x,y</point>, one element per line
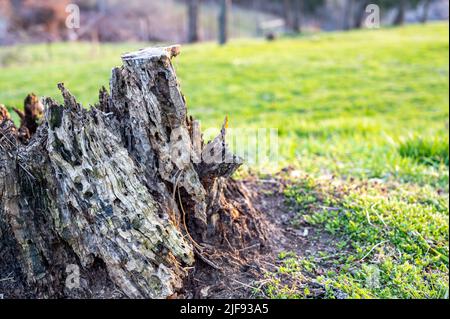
<point>243,275</point>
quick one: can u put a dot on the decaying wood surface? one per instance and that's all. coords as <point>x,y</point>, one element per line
<point>121,191</point>
<point>31,116</point>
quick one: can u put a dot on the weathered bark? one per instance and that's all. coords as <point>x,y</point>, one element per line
<point>106,190</point>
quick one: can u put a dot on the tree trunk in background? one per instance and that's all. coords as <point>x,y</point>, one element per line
<point>400,17</point>
<point>224,17</point>
<point>108,195</point>
<point>287,14</point>
<point>298,12</point>
<point>348,14</point>
<point>193,21</point>
<point>426,11</point>
<point>360,14</point>
<point>102,6</point>
<point>17,4</point>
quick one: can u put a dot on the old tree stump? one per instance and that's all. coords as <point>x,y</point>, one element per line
<point>125,194</point>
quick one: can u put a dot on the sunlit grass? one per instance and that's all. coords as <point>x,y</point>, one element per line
<point>389,241</point>
<point>431,151</point>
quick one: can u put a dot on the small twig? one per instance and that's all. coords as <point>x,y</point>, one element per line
<point>188,268</point>
<point>379,216</point>
<point>328,257</point>
<point>250,247</point>
<point>251,287</point>
<point>200,281</point>
<point>270,264</point>
<point>368,217</point>
<point>17,155</point>
<point>329,208</point>
<point>206,260</point>
<point>229,244</point>
<point>269,181</point>
<point>197,247</point>
<point>176,221</point>
<point>26,171</point>
<point>9,277</point>
<point>373,248</point>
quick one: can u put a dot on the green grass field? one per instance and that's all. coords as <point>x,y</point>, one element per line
<point>367,107</point>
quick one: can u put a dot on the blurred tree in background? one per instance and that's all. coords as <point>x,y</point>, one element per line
<point>401,7</point>
<point>295,10</point>
<point>224,16</point>
<point>195,20</point>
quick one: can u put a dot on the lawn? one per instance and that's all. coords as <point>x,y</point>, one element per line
<point>363,116</point>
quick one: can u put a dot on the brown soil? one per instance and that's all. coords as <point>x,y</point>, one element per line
<point>242,275</point>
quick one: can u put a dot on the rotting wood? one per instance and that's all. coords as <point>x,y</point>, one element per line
<point>101,190</point>
<point>31,117</point>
